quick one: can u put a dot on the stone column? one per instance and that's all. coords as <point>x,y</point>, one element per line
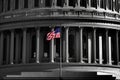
<point>98,3</point>
<point>24,46</point>
<point>94,45</point>
<point>4,5</point>
<point>110,52</point>
<point>88,3</point>
<point>12,4</point>
<point>78,3</point>
<point>52,49</point>
<point>1,47</point>
<point>21,4</point>
<point>54,3</point>
<point>38,45</point>
<point>31,3</point>
<point>67,44</point>
<point>12,48</point>
<point>81,44</point>
<point>100,50</point>
<point>66,4</point>
<point>89,48</point>
<point>107,4</point>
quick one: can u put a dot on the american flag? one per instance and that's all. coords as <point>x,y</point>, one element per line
<point>53,34</point>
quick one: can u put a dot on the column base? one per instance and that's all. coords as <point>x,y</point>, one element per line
<point>11,63</point>
<point>52,61</point>
<point>37,61</point>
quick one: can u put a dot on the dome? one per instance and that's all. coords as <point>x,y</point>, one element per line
<point>59,39</point>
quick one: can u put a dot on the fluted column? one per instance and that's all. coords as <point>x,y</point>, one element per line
<point>38,45</point>
<point>117,46</point>
<point>88,3</point>
<point>66,4</point>
<point>52,49</point>
<point>89,48</point>
<point>100,50</point>
<point>1,47</point>
<point>24,46</point>
<point>110,52</point>
<point>21,3</point>
<point>54,3</point>
<point>107,4</point>
<point>98,3</point>
<point>67,44</point>
<point>78,2</point>
<point>94,44</point>
<point>31,3</point>
<point>12,48</point>
<point>81,44</point>
<point>12,4</point>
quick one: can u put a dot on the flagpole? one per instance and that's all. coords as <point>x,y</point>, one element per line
<point>60,53</point>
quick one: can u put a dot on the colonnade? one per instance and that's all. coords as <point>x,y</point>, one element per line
<point>105,4</point>
<point>101,49</point>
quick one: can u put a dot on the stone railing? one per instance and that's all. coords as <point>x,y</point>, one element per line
<point>57,12</point>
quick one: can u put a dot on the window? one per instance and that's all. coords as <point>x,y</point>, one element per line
<point>45,45</point>
<point>85,49</point>
<point>72,3</point>
<point>1,6</point>
<point>60,3</point>
<point>72,44</point>
<point>83,3</point>
<point>36,3</point>
<point>16,4</point>
<point>101,3</point>
<point>48,3</point>
<point>25,3</point>
<point>8,7</point>
<point>94,3</point>
<point>117,5</point>
<point>110,4</point>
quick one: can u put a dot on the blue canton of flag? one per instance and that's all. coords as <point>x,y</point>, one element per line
<point>57,33</point>
<point>53,34</point>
